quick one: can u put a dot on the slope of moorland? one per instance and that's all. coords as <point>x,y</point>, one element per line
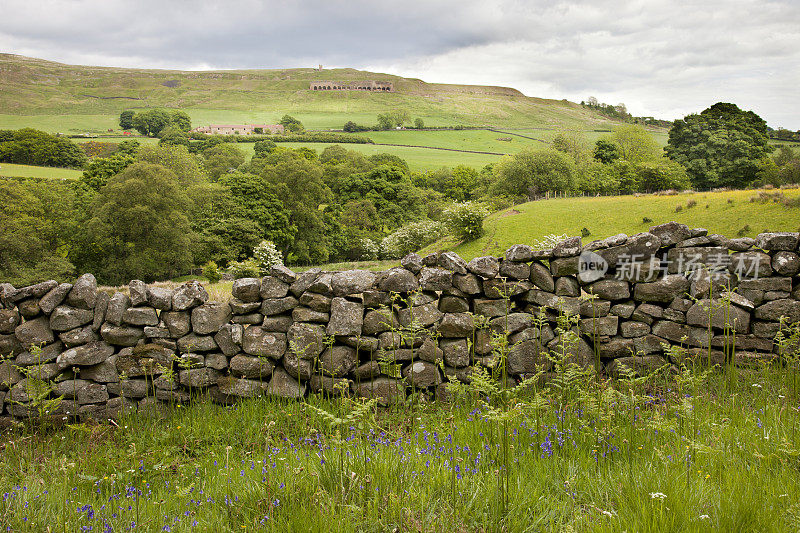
<point>58,97</point>
<point>728,213</point>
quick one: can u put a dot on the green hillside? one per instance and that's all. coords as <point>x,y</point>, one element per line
<point>726,213</point>
<point>58,97</point>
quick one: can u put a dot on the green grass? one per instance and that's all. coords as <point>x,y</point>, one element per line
<point>10,170</point>
<point>702,454</point>
<point>609,215</point>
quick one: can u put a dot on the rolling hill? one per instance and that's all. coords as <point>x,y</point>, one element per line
<point>70,98</point>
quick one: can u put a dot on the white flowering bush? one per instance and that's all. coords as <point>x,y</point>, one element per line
<point>465,220</point>
<point>549,241</point>
<point>411,238</point>
<point>370,250</point>
<point>266,255</point>
<point>244,269</point>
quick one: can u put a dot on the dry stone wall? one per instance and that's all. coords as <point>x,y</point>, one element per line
<point>378,334</point>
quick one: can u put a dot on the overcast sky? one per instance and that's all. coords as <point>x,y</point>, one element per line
<point>661,58</point>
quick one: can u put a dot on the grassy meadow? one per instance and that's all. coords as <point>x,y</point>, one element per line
<point>682,449</point>
<point>10,170</point>
<point>730,213</point>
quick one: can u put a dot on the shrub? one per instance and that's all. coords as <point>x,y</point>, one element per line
<point>370,250</point>
<point>465,220</point>
<point>411,237</point>
<point>647,220</point>
<point>244,269</point>
<point>678,208</point>
<point>211,272</point>
<point>265,255</point>
<point>743,231</point>
<point>691,203</point>
<point>585,232</point>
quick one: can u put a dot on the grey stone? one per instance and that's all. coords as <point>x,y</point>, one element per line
<point>296,367</point>
<point>247,290</point>
<point>671,233</point>
<point>190,294</point>
<point>398,280</point>
<point>368,370</point>
<point>304,281</point>
<point>648,344</point>
<point>519,252</point>
<point>435,279</point>
<point>490,308</point>
<point>499,288</point>
<point>83,391</point>
<point>610,289</point>
<point>245,366</point>
<point>595,307</point>
<point>361,343</point>
<point>634,329</point>
<point>277,306</point>
<point>453,304</point>
<point>456,325</point>
<point>323,284</point>
<point>663,290</point>
<point>431,259</point>
<point>29,308</point>
<point>45,355</point>
<point>567,286</point>
<point>751,264</point>
<point>486,267</point>
<point>778,241</point>
<point>774,310</point>
<point>733,317</point>
<point>140,316</point>
<point>697,241</point>
<point>210,317</point>
<point>467,283</point>
<point>283,273</point>
<point>606,325</point>
<point>121,335</point>
<point>24,390</point>
<point>385,390</point>
<point>304,314</point>
<point>564,266</point>
<point>681,333</point>
<point>330,385</point>
<point>379,320</point>
<point>568,247</point>
<point>78,336</point>
<point>54,298</point>
<point>179,323</point>
<point>608,242</point>
<point>44,371</point>
<point>306,340</point>
<point>86,355</point>
<point>647,313</point>
<point>283,385</point>
<point>338,361</point>
<point>144,360</point>
<point>83,293</point>
<point>376,298</point>
<point>541,277</point>
<point>511,269</point>
<point>100,309</point>
<point>616,347</point>
<point>36,331</point>
<point>422,374</point>
<point>272,287</point>
<point>9,375</point>
<point>199,377</point>
<point>421,315</point>
<point>229,338</point>
<point>9,320</point>
<point>412,262</point>
<point>741,244</point>
<point>138,292</point>
<point>257,341</point>
<point>451,261</point>
<point>65,318</point>
<point>243,388</point>
<point>239,307</point>
<point>546,299</point>
<point>704,282</point>
<point>31,291</point>
<point>117,305</point>
<point>527,356</point>
<point>103,372</point>
<point>642,246</point>
<point>197,343</point>
<point>277,323</point>
<point>455,352</point>
<point>160,298</point>
<point>783,263</point>
<point>346,318</point>
<point>252,318</point>
<point>316,302</point>
<point>511,323</point>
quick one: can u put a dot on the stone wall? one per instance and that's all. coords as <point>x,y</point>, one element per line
<point>375,334</point>
<point>380,86</point>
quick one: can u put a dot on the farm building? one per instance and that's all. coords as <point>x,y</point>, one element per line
<point>239,129</point>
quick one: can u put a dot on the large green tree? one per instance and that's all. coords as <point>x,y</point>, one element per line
<point>222,158</point>
<point>532,172</point>
<point>723,146</point>
<point>28,146</point>
<point>140,227</point>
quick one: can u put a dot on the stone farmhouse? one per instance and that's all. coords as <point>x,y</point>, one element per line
<point>384,86</point>
<point>239,129</point>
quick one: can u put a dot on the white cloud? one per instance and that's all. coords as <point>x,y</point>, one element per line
<point>664,59</point>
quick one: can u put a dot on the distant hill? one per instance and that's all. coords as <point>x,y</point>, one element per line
<point>87,97</point>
